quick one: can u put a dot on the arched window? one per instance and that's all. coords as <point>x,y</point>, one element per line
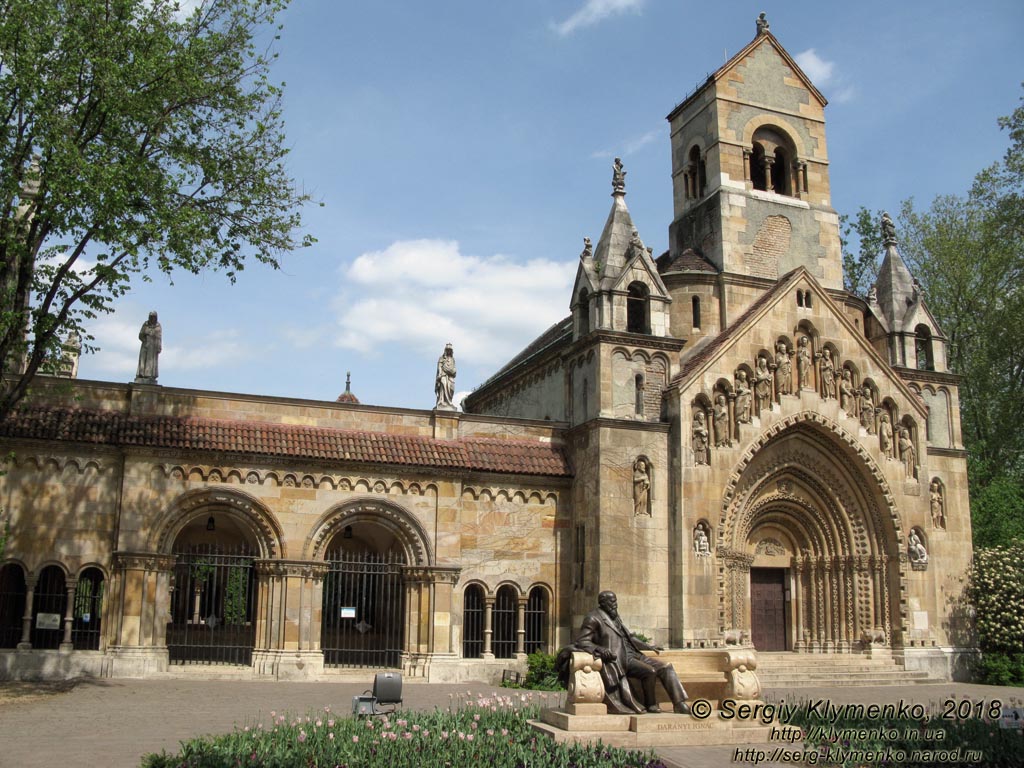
<point>637,308</point>
<point>697,180</point>
<point>807,300</point>
<point>781,173</point>
<point>638,384</point>
<point>12,604</point>
<point>504,620</point>
<point>799,298</point>
<point>923,348</point>
<point>771,161</point>
<point>695,302</point>
<point>758,174</point>
<point>584,310</point>
<point>537,620</point>
<point>473,622</point>
<point>50,598</point>
<point>85,631</point>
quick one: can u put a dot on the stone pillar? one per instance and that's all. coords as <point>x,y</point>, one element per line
<point>798,601</point>
<point>746,163</point>
<point>769,182</point>
<point>26,618</point>
<point>488,627</point>
<point>521,628</point>
<point>138,611</point>
<point>289,605</point>
<point>734,426</point>
<point>69,616</point>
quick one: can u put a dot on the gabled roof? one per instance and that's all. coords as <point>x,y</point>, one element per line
<point>687,261</point>
<point>766,39</point>
<point>645,263</point>
<point>558,335</point>
<point>112,428</point>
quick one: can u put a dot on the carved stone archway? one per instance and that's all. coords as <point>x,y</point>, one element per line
<point>238,505</point>
<point>810,483</point>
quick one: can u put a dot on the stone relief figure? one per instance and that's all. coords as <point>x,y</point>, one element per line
<point>847,394</point>
<point>783,370</point>
<point>742,398</point>
<point>803,362</point>
<point>604,636</point>
<point>885,436</point>
<point>701,543</point>
<point>444,382</point>
<point>618,176</point>
<point>700,439</point>
<point>151,335</point>
<point>915,548</point>
<point>907,453</point>
<point>828,375</point>
<point>763,384</point>
<point>641,488</point>
<point>721,423</point>
<point>938,505</point>
<point>867,410</point>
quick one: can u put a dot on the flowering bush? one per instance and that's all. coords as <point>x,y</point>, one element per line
<point>997,593</point>
<point>491,731</point>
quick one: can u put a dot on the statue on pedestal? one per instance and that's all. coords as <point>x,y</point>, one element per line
<point>151,336</point>
<point>444,382</point>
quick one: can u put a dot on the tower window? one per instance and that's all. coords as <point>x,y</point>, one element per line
<point>923,348</point>
<point>758,172</point>
<point>584,310</point>
<point>639,394</point>
<point>637,308</point>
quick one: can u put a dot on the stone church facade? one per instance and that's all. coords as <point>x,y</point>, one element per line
<point>737,446</point>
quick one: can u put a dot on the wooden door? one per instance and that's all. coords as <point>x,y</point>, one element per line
<point>768,608</point>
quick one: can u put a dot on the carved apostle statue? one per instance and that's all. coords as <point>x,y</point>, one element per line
<point>742,398</point>
<point>763,384</point>
<point>783,370</point>
<point>907,453</point>
<point>151,336</point>
<point>700,439</point>
<point>641,488</point>
<point>803,362</point>
<point>444,383</point>
<point>828,375</point>
<point>721,425</point>
<point>938,505</point>
<point>847,394</point>
<point>885,436</point>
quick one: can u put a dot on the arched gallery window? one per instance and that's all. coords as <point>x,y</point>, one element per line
<point>584,310</point>
<point>12,604</point>
<point>50,599</point>
<point>504,622</point>
<point>923,348</point>
<point>772,158</point>
<point>537,620</point>
<point>473,622</point>
<point>637,308</point>
<point>85,631</point>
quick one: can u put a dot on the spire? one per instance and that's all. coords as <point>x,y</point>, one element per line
<point>895,290</point>
<point>347,396</point>
<point>611,252</point>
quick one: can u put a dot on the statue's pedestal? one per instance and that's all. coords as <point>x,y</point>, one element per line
<point>642,731</point>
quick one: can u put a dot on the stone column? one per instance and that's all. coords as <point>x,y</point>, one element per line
<point>734,426</point>
<point>488,627</point>
<point>521,628</point>
<point>798,601</point>
<point>746,163</point>
<point>26,618</point>
<point>69,616</point>
<point>288,618</point>
<point>138,610</point>
<point>769,182</point>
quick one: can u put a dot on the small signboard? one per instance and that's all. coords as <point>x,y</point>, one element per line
<point>348,613</point>
<point>1012,717</point>
<point>47,621</point>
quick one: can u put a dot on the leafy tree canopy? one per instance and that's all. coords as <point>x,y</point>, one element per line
<point>133,138</point>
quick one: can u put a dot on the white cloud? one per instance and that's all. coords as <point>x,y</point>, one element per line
<point>119,342</point>
<point>421,294</point>
<point>595,11</point>
<point>630,146</point>
<point>815,67</point>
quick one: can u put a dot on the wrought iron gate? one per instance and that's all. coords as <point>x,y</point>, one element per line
<point>213,602</point>
<point>364,602</point>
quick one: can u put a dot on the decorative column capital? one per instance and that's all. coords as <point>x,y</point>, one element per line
<point>144,561</point>
<point>306,569</point>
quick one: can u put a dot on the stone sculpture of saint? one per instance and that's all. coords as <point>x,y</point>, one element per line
<point>915,548</point>
<point>700,439</point>
<point>888,229</point>
<point>803,362</point>
<point>938,505</point>
<point>641,488</point>
<point>907,453</point>
<point>867,410</point>
<point>762,24</point>
<point>721,425</point>
<point>885,436</point>
<point>151,336</point>
<point>847,394</point>
<point>783,370</point>
<point>742,398</point>
<point>701,546</point>
<point>618,176</point>
<point>763,384</point>
<point>828,375</point>
<point>444,383</point>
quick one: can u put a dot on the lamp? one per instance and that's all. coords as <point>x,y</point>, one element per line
<point>211,524</point>
<point>345,534</point>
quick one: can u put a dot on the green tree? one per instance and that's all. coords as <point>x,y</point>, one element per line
<point>133,139</point>
<point>860,268</point>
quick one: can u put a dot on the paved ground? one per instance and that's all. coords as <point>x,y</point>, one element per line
<point>112,723</point>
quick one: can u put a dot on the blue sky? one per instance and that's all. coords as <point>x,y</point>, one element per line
<point>462,150</point>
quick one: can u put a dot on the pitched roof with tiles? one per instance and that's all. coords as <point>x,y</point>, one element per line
<point>506,456</point>
<point>687,261</point>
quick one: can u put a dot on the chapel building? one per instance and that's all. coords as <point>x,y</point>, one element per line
<point>722,435</point>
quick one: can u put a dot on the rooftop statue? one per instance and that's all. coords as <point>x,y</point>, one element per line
<point>444,382</point>
<point>151,336</point>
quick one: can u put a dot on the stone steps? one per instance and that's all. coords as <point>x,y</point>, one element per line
<point>794,670</point>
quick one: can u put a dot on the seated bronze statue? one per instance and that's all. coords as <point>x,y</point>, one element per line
<point>604,636</point>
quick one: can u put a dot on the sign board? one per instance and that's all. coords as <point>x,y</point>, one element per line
<point>348,613</point>
<point>47,621</point>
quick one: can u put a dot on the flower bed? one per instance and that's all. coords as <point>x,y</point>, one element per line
<point>491,731</point>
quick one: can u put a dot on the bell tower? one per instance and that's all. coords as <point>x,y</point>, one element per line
<point>750,169</point>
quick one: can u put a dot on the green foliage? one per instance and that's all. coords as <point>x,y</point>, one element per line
<point>202,569</point>
<point>541,674</point>
<point>134,139</point>
<point>5,534</point>
<point>997,592</point>
<point>486,731</point>
<point>995,668</point>
<point>997,512</point>
<point>860,269</point>
<point>236,595</point>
